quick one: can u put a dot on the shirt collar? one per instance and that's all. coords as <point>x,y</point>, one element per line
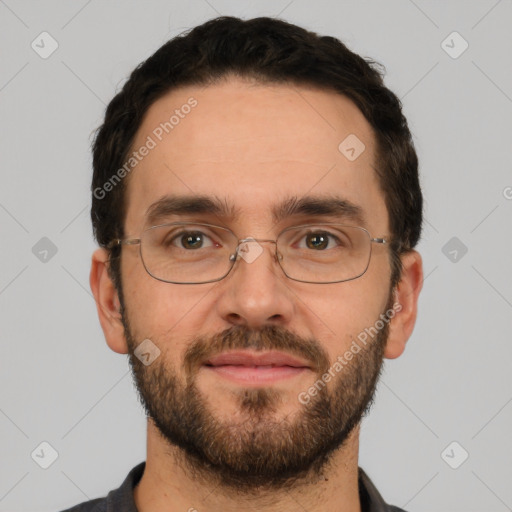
<point>122,500</point>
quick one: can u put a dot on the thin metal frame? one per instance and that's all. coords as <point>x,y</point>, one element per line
<point>234,256</point>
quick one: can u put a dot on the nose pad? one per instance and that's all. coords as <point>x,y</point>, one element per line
<point>249,250</point>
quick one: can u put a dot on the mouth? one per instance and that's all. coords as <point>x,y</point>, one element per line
<point>248,368</point>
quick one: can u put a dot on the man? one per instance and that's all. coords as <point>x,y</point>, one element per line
<point>256,201</point>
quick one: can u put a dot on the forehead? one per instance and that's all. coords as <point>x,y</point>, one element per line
<point>253,147</point>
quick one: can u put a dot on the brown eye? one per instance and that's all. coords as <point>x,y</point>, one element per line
<point>187,240</point>
<point>192,240</point>
<point>317,240</point>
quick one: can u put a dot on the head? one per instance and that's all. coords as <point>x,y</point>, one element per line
<point>248,116</point>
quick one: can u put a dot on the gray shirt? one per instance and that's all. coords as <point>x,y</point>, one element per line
<point>121,499</point>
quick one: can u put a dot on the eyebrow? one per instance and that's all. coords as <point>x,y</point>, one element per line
<point>316,206</point>
<point>332,206</point>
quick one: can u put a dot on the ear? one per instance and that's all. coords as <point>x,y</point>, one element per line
<point>406,295</point>
<point>107,302</point>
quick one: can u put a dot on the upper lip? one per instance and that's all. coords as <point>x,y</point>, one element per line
<point>243,358</point>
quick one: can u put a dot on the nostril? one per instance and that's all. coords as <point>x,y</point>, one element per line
<point>235,318</point>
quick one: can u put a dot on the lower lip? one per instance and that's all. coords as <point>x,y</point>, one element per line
<point>255,375</point>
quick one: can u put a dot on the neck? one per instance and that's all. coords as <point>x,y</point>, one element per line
<point>167,485</point>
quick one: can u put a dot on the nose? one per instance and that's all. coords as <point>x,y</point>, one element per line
<point>255,293</point>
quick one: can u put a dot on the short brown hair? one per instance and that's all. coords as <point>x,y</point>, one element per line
<point>267,50</point>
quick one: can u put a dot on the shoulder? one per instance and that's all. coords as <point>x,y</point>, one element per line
<point>120,499</point>
<point>96,505</point>
<point>371,499</point>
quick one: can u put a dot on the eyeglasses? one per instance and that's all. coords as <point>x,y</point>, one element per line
<point>196,253</point>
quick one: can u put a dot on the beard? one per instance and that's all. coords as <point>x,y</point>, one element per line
<point>255,450</point>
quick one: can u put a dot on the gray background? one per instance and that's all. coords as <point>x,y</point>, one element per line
<point>59,381</point>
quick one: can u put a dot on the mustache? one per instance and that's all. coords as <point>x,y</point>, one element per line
<point>266,338</point>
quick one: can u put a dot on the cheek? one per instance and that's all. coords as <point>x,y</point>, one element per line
<point>340,312</point>
<point>158,310</point>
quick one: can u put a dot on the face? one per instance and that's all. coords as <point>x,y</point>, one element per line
<point>210,392</point>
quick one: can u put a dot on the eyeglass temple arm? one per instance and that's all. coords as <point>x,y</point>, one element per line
<point>119,241</point>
